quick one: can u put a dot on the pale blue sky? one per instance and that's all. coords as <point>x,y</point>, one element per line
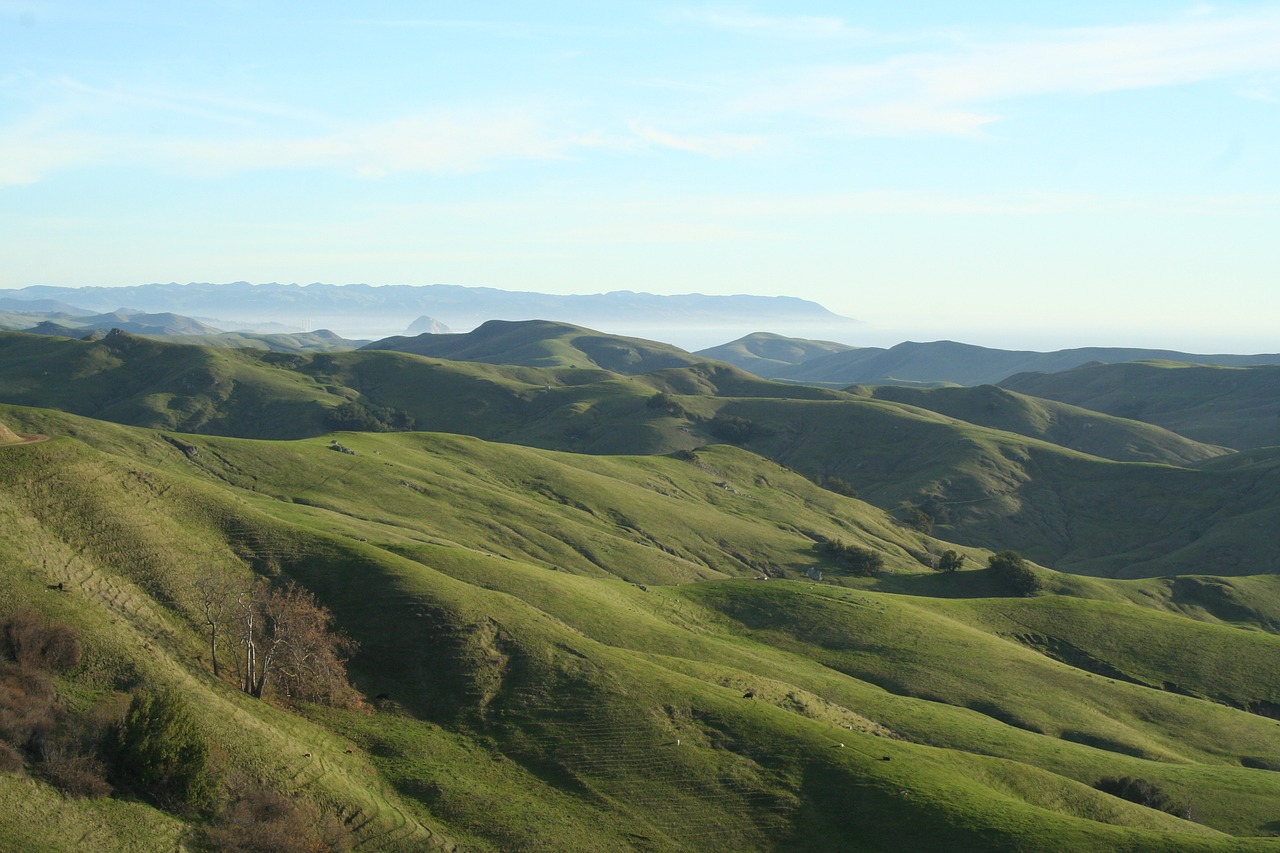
<point>1013,174</point>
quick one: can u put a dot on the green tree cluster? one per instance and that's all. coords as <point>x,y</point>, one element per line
<point>364,417</point>
<point>1013,573</point>
<point>857,560</point>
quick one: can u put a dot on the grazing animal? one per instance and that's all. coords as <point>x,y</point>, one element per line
<point>306,755</point>
<point>750,694</point>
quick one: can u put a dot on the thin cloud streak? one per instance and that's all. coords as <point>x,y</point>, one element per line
<point>716,146</point>
<point>739,20</point>
<point>939,92</point>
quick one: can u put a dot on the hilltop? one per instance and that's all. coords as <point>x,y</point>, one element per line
<point>541,343</point>
<point>771,356</point>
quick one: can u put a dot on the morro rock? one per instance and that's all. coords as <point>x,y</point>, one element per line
<point>425,324</point>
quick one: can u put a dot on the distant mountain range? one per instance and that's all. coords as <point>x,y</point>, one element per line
<point>361,310</point>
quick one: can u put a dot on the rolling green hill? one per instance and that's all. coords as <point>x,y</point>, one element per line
<point>1233,406</point>
<point>988,487</point>
<point>952,363</point>
<point>543,343</point>
<point>1065,425</point>
<point>771,356</point>
<point>574,653</point>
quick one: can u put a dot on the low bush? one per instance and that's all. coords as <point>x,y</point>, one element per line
<point>266,822</point>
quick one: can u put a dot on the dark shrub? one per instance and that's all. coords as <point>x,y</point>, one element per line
<point>732,428</point>
<point>163,754</point>
<point>33,642</point>
<point>835,484</point>
<point>363,417</point>
<point>859,561</point>
<point>666,403</point>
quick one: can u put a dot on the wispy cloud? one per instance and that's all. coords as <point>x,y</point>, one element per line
<point>954,89</point>
<point>735,19</point>
<point>793,207</point>
<point>716,145</point>
<point>213,135</point>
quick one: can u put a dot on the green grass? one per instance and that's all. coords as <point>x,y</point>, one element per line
<point>537,692</point>
<point>1016,479</point>
<point>544,343</point>
<point>1231,406</point>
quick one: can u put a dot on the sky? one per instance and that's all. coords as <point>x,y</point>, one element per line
<point>1029,175</point>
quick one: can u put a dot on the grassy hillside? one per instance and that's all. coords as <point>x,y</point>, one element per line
<point>771,356</point>
<point>984,486</point>
<point>1062,424</point>
<point>952,363</point>
<point>996,489</point>
<point>543,343</point>
<point>566,644</point>
<point>1236,407</point>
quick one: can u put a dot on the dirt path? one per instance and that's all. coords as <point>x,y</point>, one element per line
<point>25,438</point>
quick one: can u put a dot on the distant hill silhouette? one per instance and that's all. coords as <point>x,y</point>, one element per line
<point>951,363</point>
<point>361,306</point>
<point>543,343</point>
<point>771,356</point>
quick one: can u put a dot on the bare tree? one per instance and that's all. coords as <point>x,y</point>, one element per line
<point>284,640</point>
<point>217,594</point>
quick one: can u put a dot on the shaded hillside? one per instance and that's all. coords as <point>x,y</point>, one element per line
<point>996,489</point>
<point>542,343</point>
<point>254,394</point>
<point>137,323</point>
<point>321,340</point>
<point>951,363</point>
<point>1235,407</point>
<point>771,356</point>
<point>1064,425</point>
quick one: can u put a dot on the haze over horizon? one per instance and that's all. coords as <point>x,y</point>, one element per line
<point>1098,174</point>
